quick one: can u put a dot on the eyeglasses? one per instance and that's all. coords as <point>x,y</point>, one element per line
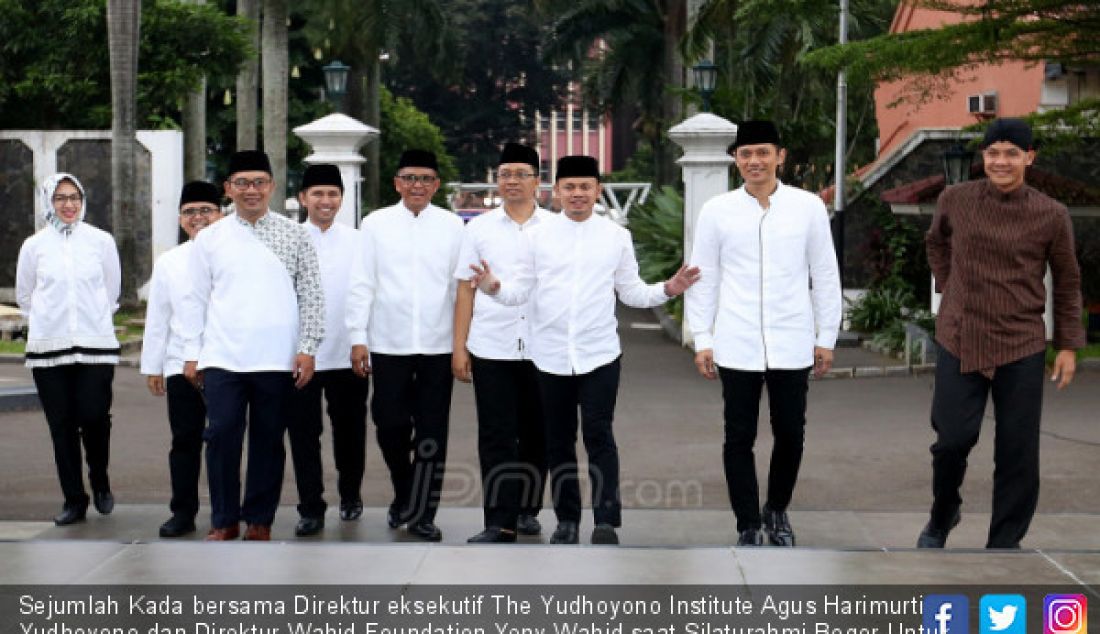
<point>202,211</point>
<point>507,175</point>
<point>412,179</point>
<point>61,199</point>
<point>242,184</point>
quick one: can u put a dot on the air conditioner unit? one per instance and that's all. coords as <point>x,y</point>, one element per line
<point>982,104</point>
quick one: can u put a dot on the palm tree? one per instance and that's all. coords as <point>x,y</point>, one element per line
<point>276,73</point>
<point>639,64</point>
<point>761,45</point>
<point>123,35</point>
<point>247,78</point>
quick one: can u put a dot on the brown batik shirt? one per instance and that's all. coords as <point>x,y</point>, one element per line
<point>988,251</point>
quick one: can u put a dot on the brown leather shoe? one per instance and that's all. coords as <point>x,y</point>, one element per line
<point>257,533</point>
<point>228,533</point>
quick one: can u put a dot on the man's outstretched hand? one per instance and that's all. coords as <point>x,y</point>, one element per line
<point>682,281</point>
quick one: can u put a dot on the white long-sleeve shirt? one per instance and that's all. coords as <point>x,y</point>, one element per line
<point>497,331</point>
<point>67,286</point>
<point>572,273</point>
<point>336,247</point>
<point>402,292</point>
<point>769,288</point>
<point>162,347</point>
<point>242,310</point>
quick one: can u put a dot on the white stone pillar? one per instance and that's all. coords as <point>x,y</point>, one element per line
<point>704,139</point>
<point>706,164</point>
<point>336,139</point>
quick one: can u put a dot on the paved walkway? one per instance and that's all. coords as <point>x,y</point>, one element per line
<point>861,499</point>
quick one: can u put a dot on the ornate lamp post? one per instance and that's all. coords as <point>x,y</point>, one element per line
<point>705,74</point>
<point>336,82</point>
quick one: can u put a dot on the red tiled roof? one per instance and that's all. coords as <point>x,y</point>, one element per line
<point>926,189</point>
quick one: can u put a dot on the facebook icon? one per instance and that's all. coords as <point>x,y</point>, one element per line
<point>946,614</point>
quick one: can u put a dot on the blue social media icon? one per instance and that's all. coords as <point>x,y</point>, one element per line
<point>1002,614</point>
<point>946,614</point>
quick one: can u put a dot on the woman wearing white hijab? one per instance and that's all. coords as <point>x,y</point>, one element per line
<point>67,285</point>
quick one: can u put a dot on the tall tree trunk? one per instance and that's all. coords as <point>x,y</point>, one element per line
<point>672,107</point>
<point>275,68</point>
<point>248,78</point>
<point>194,130</point>
<point>123,35</point>
<point>194,134</point>
<point>372,182</point>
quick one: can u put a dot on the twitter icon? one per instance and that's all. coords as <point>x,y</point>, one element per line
<point>1002,614</point>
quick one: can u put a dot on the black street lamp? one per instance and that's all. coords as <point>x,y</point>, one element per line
<point>705,74</point>
<point>336,81</point>
<point>956,164</point>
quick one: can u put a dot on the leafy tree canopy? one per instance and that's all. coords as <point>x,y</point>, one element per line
<point>493,85</point>
<point>760,45</point>
<point>405,127</point>
<point>992,31</point>
<point>54,67</point>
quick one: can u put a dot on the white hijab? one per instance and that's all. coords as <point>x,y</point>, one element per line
<point>46,192</point>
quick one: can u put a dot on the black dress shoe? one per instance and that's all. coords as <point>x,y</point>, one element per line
<point>528,525</point>
<point>393,519</point>
<point>604,534</point>
<point>750,537</point>
<point>565,533</point>
<point>351,510</point>
<point>177,526</point>
<point>71,515</point>
<point>425,530</point>
<point>493,535</point>
<point>777,526</point>
<point>934,536</point>
<point>308,526</point>
<point>104,502</point>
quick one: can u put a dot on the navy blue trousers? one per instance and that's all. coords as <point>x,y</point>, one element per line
<point>236,401</point>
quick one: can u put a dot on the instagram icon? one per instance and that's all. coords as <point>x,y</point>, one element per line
<point>1065,614</point>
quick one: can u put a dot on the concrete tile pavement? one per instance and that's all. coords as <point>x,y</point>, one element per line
<point>862,496</point>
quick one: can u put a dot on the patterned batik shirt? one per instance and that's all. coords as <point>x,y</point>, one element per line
<point>290,243</point>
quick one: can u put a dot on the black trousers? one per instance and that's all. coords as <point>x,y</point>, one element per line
<point>411,408</point>
<point>741,393</point>
<point>511,439</point>
<point>187,419</point>
<point>76,399</point>
<point>958,406</point>
<point>594,393</point>
<point>346,396</point>
<point>235,401</point>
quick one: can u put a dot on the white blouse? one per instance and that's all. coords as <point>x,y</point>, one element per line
<point>67,287</point>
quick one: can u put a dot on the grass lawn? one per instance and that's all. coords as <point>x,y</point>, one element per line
<point>122,319</point>
<point>1090,351</point>
<point>12,347</point>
